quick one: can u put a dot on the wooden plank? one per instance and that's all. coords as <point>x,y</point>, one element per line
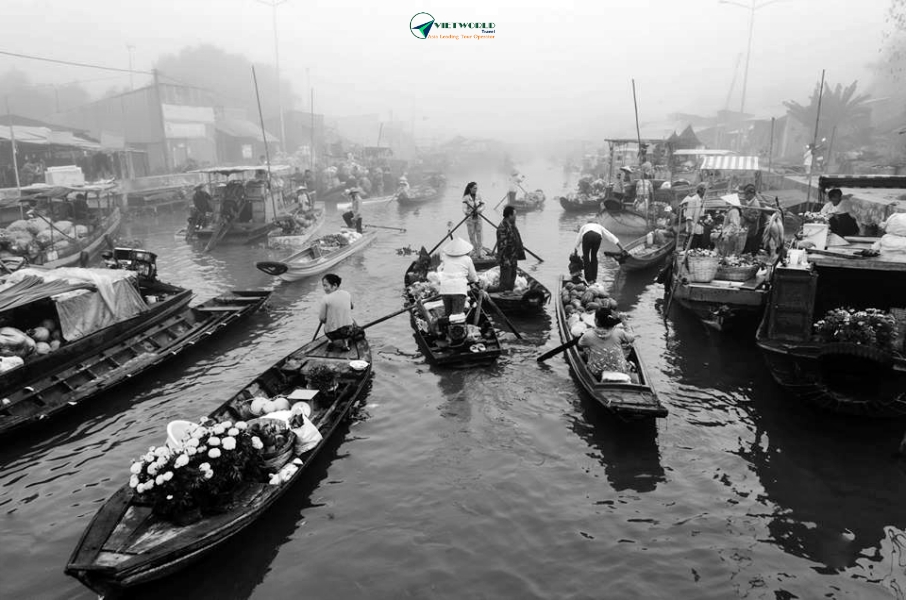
<point>132,520</point>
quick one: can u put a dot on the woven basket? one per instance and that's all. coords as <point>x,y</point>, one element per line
<point>899,341</point>
<point>743,273</point>
<point>702,269</point>
<point>276,461</point>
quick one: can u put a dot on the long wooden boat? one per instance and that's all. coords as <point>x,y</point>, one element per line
<point>126,544</point>
<point>573,202</point>
<point>532,299</point>
<point>624,221</point>
<point>642,255</point>
<point>482,348</point>
<point>293,238</point>
<point>315,259</point>
<point>73,382</point>
<point>419,197</point>
<point>841,377</point>
<point>235,233</point>
<point>634,399</point>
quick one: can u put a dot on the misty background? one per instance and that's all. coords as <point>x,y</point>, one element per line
<point>554,70</point>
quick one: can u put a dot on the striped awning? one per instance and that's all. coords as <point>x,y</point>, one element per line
<point>731,163</point>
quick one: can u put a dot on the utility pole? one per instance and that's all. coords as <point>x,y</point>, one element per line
<point>130,47</point>
<point>274,4</point>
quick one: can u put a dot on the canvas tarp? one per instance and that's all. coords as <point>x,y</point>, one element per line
<point>83,312</point>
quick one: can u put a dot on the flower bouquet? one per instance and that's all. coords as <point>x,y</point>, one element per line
<point>199,476</point>
<point>814,217</point>
<point>322,378</point>
<point>868,327</point>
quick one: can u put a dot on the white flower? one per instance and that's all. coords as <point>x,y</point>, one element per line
<point>149,457</point>
<point>193,443</point>
<point>256,443</point>
<point>133,481</point>
<point>168,476</point>
<point>152,469</point>
<point>241,425</point>
<point>140,488</point>
<point>161,452</point>
<point>199,432</point>
<point>169,496</point>
<point>213,441</point>
<point>218,429</point>
<point>205,466</point>
<point>229,443</point>
<point>159,480</point>
<point>214,453</point>
<point>233,432</point>
<point>149,484</point>
<point>227,424</point>
<point>151,449</point>
<point>208,474</point>
<point>181,461</point>
<point>136,468</point>
<point>191,451</point>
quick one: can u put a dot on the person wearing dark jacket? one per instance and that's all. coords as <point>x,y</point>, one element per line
<point>509,249</point>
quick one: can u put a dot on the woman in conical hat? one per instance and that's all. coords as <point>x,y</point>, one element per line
<point>456,272</point>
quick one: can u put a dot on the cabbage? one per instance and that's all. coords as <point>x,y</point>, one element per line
<point>14,342</point>
<point>40,334</point>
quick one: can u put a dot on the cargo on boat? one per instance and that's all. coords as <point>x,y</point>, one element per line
<point>318,256</point>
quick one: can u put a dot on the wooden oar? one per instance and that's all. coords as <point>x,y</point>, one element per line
<point>317,331</point>
<point>400,229</point>
<point>558,349</point>
<point>449,234</point>
<point>499,312</point>
<point>272,268</point>
<point>385,317</point>
<point>538,258</point>
<point>505,196</point>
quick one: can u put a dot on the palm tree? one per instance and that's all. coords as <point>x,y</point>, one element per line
<point>841,109</point>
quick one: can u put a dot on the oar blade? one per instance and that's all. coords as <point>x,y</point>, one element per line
<point>272,268</point>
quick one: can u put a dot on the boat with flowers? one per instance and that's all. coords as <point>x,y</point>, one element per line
<point>213,479</point>
<point>833,333</point>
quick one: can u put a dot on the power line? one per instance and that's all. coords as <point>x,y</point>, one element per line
<point>73,64</point>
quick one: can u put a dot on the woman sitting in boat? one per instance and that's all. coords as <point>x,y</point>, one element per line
<point>456,272</point>
<point>839,211</point>
<point>335,311</point>
<point>604,344</point>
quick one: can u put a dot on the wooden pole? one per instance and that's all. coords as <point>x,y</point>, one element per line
<point>830,149</point>
<point>808,192</point>
<point>311,154</point>
<point>771,147</point>
<point>12,139</point>
<point>638,131</point>
<point>267,154</point>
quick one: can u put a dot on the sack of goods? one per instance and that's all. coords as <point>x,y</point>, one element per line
<point>896,224</point>
<point>351,236</point>
<point>490,279</point>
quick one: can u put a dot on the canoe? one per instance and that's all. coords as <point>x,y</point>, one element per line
<point>529,202</point>
<point>624,221</point>
<point>635,399</point>
<point>575,203</point>
<point>418,198</point>
<point>316,258</point>
<point>644,256</point>
<point>290,239</point>
<point>96,365</point>
<point>236,233</point>
<point>126,544</point>
<point>532,299</point>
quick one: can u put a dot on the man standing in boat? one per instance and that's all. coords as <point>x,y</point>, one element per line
<point>589,241</point>
<point>472,207</point>
<point>693,206</point>
<point>509,249</point>
<point>515,181</point>
<point>751,218</point>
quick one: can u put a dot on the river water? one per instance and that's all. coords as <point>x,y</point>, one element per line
<point>499,482</point>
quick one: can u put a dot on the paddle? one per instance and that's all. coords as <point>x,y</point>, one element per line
<point>392,198</point>
<point>449,234</point>
<point>385,317</point>
<point>688,243</point>
<point>505,196</point>
<point>400,229</point>
<point>272,268</point>
<point>317,331</point>
<point>500,314</point>
<point>538,258</point>
<point>558,349</point>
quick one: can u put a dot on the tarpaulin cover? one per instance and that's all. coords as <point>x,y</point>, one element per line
<point>730,163</point>
<point>83,312</point>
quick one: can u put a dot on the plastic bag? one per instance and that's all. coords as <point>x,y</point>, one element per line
<point>14,342</point>
<point>307,436</point>
<point>894,225</point>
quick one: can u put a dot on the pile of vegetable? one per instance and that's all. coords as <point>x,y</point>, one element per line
<point>580,303</point>
<point>32,236</point>
<point>338,240</point>
<point>741,260</point>
<point>490,279</point>
<point>41,340</point>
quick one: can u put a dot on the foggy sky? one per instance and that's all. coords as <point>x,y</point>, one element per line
<point>553,70</point>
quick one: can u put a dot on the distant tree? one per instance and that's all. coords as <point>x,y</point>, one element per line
<point>226,76</point>
<point>39,101</point>
<point>841,108</point>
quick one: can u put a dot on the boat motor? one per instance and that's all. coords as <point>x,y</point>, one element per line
<point>457,330</point>
<point>141,261</point>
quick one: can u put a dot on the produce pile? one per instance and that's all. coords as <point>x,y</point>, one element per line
<point>490,279</point>
<point>338,240</point>
<point>741,260</point>
<point>422,290</point>
<point>39,341</point>
<point>868,327</point>
<point>33,236</point>
<point>580,303</point>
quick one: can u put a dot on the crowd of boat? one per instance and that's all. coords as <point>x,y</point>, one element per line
<point>827,312</point>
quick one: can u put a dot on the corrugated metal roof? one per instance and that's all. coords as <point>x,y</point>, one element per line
<point>731,163</point>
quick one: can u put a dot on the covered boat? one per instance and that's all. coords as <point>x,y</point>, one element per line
<point>574,202</point>
<point>319,256</point>
<point>629,397</point>
<point>59,226</point>
<point>648,251</point>
<point>833,332</point>
<point>128,543</point>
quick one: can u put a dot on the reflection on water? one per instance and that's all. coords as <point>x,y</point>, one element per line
<point>501,481</point>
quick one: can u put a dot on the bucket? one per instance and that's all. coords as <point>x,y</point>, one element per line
<point>178,432</point>
<point>815,233</point>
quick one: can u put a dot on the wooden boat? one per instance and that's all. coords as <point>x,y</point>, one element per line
<point>529,202</point>
<point>290,236</point>
<point>624,221</point>
<point>88,369</point>
<point>532,299</point>
<point>839,376</point>
<point>126,544</point>
<point>573,202</point>
<point>634,399</point>
<point>418,196</point>
<point>317,258</point>
<point>643,255</point>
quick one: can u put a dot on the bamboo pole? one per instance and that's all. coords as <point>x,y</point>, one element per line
<point>771,147</point>
<point>12,139</point>
<point>267,154</point>
<point>808,192</point>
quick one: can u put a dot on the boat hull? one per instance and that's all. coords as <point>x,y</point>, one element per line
<point>297,271</point>
<point>82,254</point>
<point>628,400</point>
<point>640,259</point>
<point>278,241</point>
<point>239,233</point>
<point>624,222</point>
<point>154,549</point>
<point>580,207</point>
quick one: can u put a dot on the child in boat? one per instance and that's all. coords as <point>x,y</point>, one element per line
<point>336,311</point>
<point>604,344</point>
